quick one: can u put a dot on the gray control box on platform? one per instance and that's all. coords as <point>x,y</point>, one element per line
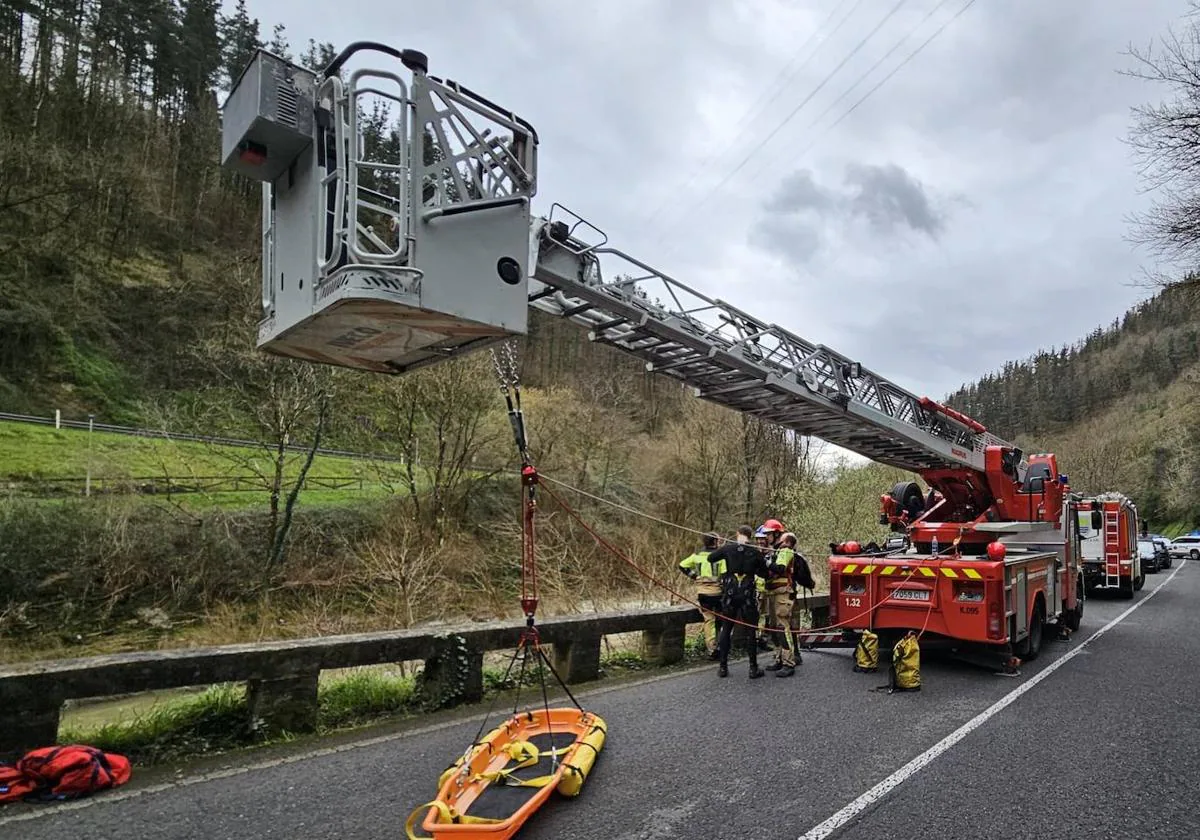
<point>267,121</point>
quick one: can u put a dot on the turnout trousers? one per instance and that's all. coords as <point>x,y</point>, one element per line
<point>781,621</point>
<point>708,595</point>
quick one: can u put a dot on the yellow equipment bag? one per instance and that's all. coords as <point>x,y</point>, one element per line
<point>906,664</point>
<point>866,653</point>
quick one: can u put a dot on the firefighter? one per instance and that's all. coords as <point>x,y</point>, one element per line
<point>781,590</point>
<point>760,593</point>
<point>743,565</point>
<point>708,588</point>
<point>767,537</point>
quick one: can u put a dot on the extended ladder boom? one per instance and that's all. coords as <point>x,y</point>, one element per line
<point>389,256</point>
<point>735,360</point>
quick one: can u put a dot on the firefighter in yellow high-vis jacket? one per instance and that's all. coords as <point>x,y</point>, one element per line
<point>707,576</point>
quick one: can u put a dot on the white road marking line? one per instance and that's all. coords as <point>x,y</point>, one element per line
<point>866,800</point>
<point>214,775</point>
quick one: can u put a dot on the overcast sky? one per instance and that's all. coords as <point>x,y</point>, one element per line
<point>969,211</point>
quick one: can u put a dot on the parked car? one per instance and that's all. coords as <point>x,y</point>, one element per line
<point>1186,546</point>
<point>1164,551</point>
<point>1148,554</point>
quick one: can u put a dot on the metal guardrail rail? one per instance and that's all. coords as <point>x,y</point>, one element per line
<point>162,434</point>
<point>281,676</point>
<point>177,485</point>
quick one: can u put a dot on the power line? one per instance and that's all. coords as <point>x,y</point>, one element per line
<point>893,72</point>
<point>876,65</point>
<point>696,205</point>
<point>832,105</point>
<point>752,112</point>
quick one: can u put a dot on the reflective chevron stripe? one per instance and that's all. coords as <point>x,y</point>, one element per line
<point>818,638</point>
<point>911,571</point>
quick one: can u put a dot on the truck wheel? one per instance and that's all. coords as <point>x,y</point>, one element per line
<point>1195,555</point>
<point>1074,618</point>
<point>1139,582</point>
<point>1127,589</point>
<point>1029,648</point>
<point>908,495</point>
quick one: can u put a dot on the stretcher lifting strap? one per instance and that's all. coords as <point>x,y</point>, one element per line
<point>446,814</point>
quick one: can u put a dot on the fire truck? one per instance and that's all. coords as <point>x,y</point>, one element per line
<point>1108,526</point>
<point>393,258</point>
<point>992,560</point>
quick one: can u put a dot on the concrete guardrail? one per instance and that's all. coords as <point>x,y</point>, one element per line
<point>281,676</point>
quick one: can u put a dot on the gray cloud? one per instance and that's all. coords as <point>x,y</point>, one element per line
<point>802,213</point>
<point>887,196</point>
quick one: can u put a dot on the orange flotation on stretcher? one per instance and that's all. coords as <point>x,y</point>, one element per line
<point>510,773</point>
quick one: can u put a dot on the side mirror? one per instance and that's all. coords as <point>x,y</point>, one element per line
<point>1037,485</point>
<point>1097,521</point>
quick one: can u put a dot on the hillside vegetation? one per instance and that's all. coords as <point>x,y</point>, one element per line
<point>1121,408</point>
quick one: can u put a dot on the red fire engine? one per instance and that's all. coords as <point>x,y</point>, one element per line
<point>994,558</point>
<point>1108,527</point>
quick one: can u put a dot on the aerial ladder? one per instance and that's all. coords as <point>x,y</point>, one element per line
<point>390,261</point>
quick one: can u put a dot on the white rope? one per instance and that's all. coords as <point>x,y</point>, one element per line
<point>634,511</point>
<point>620,506</point>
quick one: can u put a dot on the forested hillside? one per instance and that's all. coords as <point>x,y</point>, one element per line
<point>1120,407</point>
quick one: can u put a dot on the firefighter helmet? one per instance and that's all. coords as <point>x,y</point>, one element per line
<point>773,525</point>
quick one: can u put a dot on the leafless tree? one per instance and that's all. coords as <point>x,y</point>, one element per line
<point>1166,141</point>
<point>281,403</point>
<point>447,425</point>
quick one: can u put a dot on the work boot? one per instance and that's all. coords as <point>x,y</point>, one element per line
<point>774,666</point>
<point>785,671</point>
<point>723,671</point>
<point>756,672</point>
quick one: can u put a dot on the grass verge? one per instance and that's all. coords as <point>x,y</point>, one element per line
<point>53,462</point>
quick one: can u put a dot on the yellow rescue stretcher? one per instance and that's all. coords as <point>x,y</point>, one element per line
<point>510,773</point>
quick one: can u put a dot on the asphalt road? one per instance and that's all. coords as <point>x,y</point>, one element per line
<point>1104,744</point>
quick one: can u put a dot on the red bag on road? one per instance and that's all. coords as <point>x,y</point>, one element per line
<point>72,771</point>
<point>14,784</point>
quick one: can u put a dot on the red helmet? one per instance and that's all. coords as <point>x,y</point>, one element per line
<point>773,525</point>
<point>996,550</point>
<point>851,547</point>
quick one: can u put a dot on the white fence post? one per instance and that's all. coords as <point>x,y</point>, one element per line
<point>57,418</point>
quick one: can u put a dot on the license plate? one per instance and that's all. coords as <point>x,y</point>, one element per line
<point>910,594</point>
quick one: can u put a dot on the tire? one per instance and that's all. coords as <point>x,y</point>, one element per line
<point>908,495</point>
<point>1127,589</point>
<point>1139,582</point>
<point>1031,646</point>
<point>1074,618</point>
<point>1037,632</point>
<point>1195,555</point>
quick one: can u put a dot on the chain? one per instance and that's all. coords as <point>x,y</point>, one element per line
<point>506,368</point>
<point>508,375</point>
